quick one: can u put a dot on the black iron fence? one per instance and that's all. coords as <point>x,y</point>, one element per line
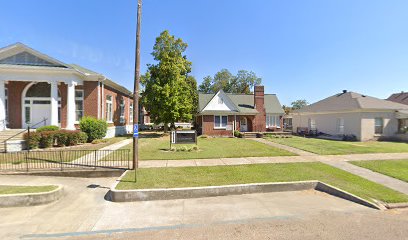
<point>65,160</point>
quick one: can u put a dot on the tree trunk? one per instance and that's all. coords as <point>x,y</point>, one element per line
<point>166,128</point>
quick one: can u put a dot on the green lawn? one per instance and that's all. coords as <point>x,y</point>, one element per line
<point>259,173</point>
<point>393,168</point>
<point>158,149</point>
<point>8,189</point>
<point>326,147</point>
<point>56,153</point>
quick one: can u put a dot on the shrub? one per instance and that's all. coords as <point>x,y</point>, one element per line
<point>47,139</point>
<point>94,128</point>
<point>237,134</point>
<point>61,138</point>
<point>47,128</point>
<point>33,141</point>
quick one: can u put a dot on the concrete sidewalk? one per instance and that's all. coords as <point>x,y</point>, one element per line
<point>390,182</point>
<point>279,159</point>
<point>284,147</point>
<point>101,154</point>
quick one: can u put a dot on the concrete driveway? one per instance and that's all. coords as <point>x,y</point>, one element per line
<point>83,212</point>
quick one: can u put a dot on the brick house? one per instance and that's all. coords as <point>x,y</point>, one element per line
<point>221,113</point>
<point>35,88</point>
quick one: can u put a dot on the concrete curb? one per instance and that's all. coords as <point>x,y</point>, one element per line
<point>213,191</point>
<point>31,199</point>
<point>396,205</point>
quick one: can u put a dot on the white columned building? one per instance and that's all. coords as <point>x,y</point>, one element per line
<point>71,106</point>
<point>2,106</point>
<point>54,103</point>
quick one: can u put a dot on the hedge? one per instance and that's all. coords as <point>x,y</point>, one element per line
<point>60,138</point>
<point>47,128</point>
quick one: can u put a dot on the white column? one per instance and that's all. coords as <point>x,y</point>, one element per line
<point>2,106</point>
<point>54,104</point>
<point>71,106</point>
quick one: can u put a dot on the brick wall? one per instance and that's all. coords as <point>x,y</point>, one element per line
<point>90,98</point>
<point>116,97</point>
<point>62,87</point>
<point>208,126</point>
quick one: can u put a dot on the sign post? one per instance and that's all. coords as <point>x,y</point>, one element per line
<point>183,137</point>
<point>136,93</point>
<point>136,130</point>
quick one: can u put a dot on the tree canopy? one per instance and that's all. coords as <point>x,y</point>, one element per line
<point>298,104</point>
<point>242,82</point>
<point>169,93</point>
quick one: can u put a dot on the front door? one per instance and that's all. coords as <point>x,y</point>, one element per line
<point>40,110</point>
<point>243,124</point>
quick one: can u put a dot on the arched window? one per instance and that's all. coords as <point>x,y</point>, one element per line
<point>41,89</point>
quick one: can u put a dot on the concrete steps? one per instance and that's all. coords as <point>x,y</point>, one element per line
<point>12,136</point>
<point>251,135</point>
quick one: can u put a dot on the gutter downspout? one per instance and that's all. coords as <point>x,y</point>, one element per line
<point>99,100</point>
<point>102,98</point>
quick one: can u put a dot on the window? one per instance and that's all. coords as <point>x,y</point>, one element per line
<point>27,112</point>
<point>79,105</point>
<point>379,125</point>
<point>220,122</point>
<point>122,110</point>
<point>340,125</point>
<point>312,124</point>
<point>272,121</point>
<point>131,113</point>
<point>109,108</point>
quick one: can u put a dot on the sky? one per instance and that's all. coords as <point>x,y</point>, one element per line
<point>301,49</point>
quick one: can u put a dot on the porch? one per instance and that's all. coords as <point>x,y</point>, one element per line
<point>37,103</point>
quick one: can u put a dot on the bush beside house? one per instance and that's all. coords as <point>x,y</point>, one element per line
<point>46,139</point>
<point>94,128</point>
<point>47,128</point>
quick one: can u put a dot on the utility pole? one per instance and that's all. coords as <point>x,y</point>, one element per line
<point>136,88</point>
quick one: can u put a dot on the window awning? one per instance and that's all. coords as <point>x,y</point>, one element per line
<point>402,114</point>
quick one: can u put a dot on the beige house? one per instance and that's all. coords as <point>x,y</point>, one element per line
<point>350,113</point>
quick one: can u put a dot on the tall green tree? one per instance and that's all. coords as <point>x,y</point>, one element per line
<point>167,92</point>
<point>298,104</point>
<point>222,80</point>
<point>192,83</point>
<point>206,85</point>
<point>243,82</point>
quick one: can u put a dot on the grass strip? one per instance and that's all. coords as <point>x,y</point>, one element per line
<point>394,168</point>
<point>259,173</point>
<point>10,189</point>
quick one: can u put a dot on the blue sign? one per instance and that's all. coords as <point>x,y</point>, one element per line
<point>136,130</point>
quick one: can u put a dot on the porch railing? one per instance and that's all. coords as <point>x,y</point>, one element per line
<point>44,122</point>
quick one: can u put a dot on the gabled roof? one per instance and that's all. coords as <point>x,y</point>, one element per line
<point>351,101</point>
<point>401,97</point>
<point>20,56</point>
<point>243,102</point>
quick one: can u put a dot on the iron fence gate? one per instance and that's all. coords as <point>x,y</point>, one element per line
<point>65,160</point>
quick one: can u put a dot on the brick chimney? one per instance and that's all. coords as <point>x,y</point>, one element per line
<point>259,98</point>
<point>259,124</point>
